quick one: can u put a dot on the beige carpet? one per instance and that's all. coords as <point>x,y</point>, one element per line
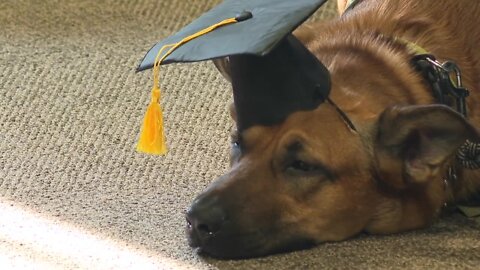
<point>74,193</point>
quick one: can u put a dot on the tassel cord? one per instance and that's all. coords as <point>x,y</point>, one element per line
<point>152,139</point>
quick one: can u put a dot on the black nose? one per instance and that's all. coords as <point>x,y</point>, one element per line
<point>204,220</point>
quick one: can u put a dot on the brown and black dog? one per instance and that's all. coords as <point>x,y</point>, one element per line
<point>313,179</point>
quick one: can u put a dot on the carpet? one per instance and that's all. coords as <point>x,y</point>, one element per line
<point>74,193</point>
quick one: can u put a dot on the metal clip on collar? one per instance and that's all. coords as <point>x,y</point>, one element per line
<point>440,76</point>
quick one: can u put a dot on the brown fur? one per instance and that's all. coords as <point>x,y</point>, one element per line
<point>447,29</point>
<point>388,176</point>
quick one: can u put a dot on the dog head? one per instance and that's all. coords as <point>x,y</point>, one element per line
<point>312,179</point>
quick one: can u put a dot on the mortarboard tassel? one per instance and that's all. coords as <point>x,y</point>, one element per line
<point>152,137</point>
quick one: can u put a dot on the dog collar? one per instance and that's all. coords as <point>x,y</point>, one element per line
<point>439,76</point>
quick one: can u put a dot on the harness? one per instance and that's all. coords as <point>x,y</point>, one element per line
<point>445,80</point>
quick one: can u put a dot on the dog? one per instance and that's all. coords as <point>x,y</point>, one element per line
<point>377,160</point>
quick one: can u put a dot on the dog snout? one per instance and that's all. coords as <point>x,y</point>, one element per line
<point>204,220</point>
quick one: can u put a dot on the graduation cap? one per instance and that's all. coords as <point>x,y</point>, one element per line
<point>272,73</point>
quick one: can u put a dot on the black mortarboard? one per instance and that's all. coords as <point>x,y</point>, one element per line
<point>272,73</point>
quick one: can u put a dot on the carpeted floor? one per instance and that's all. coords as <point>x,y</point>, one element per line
<point>74,193</point>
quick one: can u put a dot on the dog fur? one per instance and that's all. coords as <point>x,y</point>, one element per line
<point>313,179</point>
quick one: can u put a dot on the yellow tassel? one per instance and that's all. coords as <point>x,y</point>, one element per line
<point>152,137</point>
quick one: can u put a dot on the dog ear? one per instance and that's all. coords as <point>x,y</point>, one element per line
<point>415,144</point>
<point>223,65</point>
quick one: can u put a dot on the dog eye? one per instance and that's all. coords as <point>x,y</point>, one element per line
<point>235,139</point>
<point>235,151</point>
<point>302,166</point>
